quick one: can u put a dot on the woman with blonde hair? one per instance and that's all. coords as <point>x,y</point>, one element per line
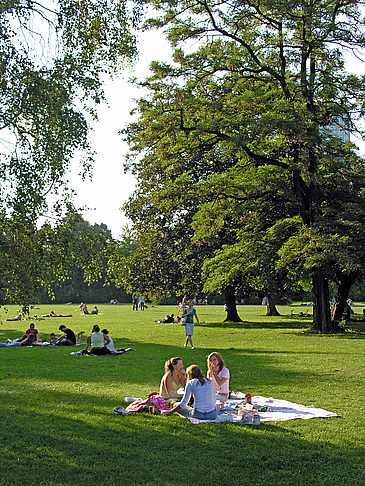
<point>219,374</point>
<point>203,392</point>
<point>173,379</point>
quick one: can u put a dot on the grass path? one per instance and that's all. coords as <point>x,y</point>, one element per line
<point>56,409</point>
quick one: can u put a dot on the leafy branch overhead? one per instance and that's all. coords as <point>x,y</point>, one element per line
<point>236,135</point>
<point>53,60</point>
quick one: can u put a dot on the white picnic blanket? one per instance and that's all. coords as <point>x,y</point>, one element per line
<point>277,410</point>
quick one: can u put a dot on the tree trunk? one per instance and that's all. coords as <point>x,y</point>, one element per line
<point>232,315</point>
<point>271,309</point>
<point>321,306</point>
<point>340,303</point>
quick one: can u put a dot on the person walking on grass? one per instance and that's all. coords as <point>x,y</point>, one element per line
<point>188,317</point>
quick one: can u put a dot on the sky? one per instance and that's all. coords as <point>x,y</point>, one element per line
<point>110,186</point>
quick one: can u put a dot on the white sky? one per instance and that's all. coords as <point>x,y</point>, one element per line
<point>110,187</point>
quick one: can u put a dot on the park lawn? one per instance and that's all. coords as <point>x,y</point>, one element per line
<point>56,409</point>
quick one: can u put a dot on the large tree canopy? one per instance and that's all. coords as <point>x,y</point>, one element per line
<point>258,85</point>
<point>53,56</point>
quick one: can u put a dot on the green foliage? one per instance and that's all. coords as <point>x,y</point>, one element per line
<point>58,262</point>
<point>52,61</point>
<point>21,255</point>
<point>243,116</point>
<point>54,57</point>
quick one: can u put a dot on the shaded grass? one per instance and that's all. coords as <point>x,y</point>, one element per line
<point>57,426</point>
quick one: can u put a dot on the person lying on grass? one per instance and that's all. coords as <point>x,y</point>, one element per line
<point>17,318</point>
<point>203,392</point>
<point>53,314</point>
<point>32,331</point>
<point>26,340</point>
<point>173,379</point>
<point>219,374</point>
<point>166,319</point>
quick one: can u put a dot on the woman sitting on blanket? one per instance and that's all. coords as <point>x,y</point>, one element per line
<point>203,392</point>
<point>98,342</point>
<point>219,374</point>
<point>173,379</point>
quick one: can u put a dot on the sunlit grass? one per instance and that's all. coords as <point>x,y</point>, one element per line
<point>56,409</point>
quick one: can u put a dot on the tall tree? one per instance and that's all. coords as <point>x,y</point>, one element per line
<point>276,83</point>
<point>54,57</point>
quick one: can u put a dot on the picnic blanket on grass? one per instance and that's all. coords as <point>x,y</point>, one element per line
<point>277,411</point>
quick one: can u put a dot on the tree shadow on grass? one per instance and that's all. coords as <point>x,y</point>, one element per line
<point>353,331</point>
<point>293,324</point>
<point>79,442</point>
<point>139,372</point>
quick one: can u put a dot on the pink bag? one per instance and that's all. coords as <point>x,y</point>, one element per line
<point>153,404</point>
<point>138,405</point>
<point>158,402</point>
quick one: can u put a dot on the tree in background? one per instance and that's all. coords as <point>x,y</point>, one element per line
<point>260,84</point>
<point>170,188</point>
<point>69,259</point>
<point>53,60</point>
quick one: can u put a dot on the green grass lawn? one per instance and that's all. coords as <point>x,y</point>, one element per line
<point>57,426</point>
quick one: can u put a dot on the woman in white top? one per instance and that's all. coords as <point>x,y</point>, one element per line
<point>110,345</point>
<point>98,342</point>
<point>204,396</point>
<point>219,374</point>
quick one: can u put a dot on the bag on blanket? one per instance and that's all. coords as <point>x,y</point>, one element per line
<point>138,405</point>
<point>153,404</point>
<point>158,402</point>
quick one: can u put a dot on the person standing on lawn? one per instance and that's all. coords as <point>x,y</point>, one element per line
<point>188,317</point>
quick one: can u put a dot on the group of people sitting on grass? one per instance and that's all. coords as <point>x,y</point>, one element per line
<point>170,319</point>
<point>99,341</point>
<point>101,344</point>
<point>85,311</point>
<point>203,392</point>
<point>31,338</point>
